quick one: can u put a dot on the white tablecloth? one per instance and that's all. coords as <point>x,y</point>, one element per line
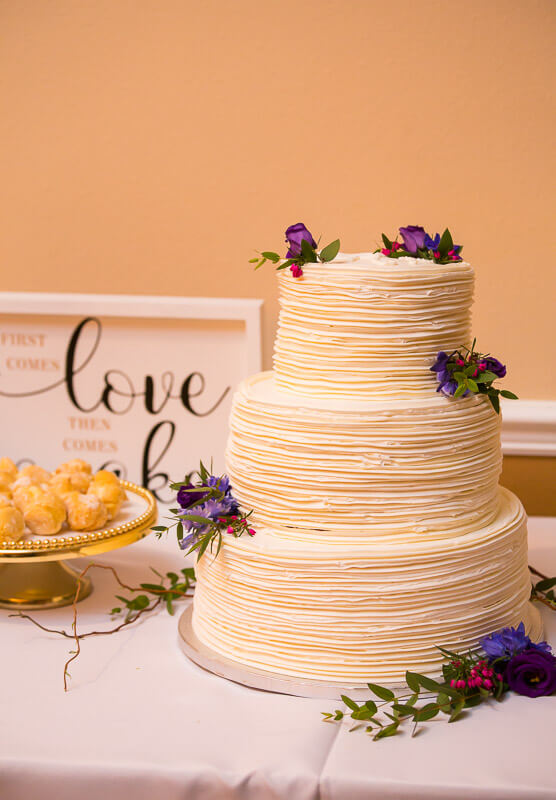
<point>140,722</point>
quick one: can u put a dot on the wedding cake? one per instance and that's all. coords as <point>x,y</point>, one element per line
<point>381,530</point>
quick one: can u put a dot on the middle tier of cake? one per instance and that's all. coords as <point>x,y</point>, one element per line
<point>360,468</point>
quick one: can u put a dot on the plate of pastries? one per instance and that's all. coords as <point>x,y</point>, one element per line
<point>73,498</point>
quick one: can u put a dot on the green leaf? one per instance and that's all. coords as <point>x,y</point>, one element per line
<point>472,385</point>
<point>459,376</point>
<point>370,705</point>
<point>413,699</point>
<point>330,252</point>
<point>196,518</point>
<point>159,528</point>
<point>443,700</point>
<point>446,243</point>
<point>412,680</point>
<point>169,606</point>
<point>428,711</point>
<point>545,584</point>
<point>270,256</point>
<point>389,730</point>
<point>473,700</point>
<point>139,602</point>
<point>487,376</point>
<point>387,242</point>
<point>460,390</point>
<point>404,708</point>
<point>179,531</point>
<point>308,252</point>
<point>495,402</point>
<point>362,713</point>
<point>381,691</point>
<point>151,587</point>
<point>350,703</point>
<point>509,395</point>
<point>338,715</point>
<point>287,263</point>
<point>428,683</point>
<point>457,710</point>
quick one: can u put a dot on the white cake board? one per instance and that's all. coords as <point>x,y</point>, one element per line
<point>267,681</point>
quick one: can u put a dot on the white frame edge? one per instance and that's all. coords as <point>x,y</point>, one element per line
<point>246,310</point>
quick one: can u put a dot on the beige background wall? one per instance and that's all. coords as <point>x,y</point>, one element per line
<point>147,146</point>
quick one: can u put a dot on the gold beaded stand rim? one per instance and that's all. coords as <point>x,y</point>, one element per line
<point>55,547</point>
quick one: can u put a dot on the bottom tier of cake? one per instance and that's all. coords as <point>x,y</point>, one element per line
<point>352,610</point>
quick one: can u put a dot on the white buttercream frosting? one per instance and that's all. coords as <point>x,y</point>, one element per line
<point>362,609</point>
<point>365,468</point>
<point>369,326</point>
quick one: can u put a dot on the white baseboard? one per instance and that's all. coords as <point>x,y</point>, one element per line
<point>529,427</point>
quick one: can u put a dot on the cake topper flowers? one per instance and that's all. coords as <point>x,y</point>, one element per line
<point>302,249</point>
<point>207,510</point>
<point>465,372</point>
<point>416,243</point>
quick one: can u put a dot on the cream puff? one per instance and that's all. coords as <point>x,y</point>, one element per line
<point>12,524</point>
<point>8,466</point>
<point>75,465</point>
<point>86,512</point>
<point>43,511</point>
<point>79,481</point>
<point>36,474</point>
<point>108,488</point>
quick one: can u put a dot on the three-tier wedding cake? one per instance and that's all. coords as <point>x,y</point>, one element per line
<point>381,530</point>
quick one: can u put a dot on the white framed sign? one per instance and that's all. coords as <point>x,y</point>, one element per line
<point>140,385</point>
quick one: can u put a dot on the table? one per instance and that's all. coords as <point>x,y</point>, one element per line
<point>141,722</point>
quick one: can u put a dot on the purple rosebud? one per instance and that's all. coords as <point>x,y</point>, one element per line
<point>493,365</point>
<point>413,238</point>
<point>531,673</point>
<point>294,236</point>
<point>187,498</point>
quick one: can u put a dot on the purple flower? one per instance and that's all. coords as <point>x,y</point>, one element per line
<point>509,642</point>
<point>432,244</point>
<point>495,366</point>
<point>440,365</point>
<point>221,483</point>
<point>294,236</point>
<point>413,238</point>
<point>532,673</point>
<point>446,384</point>
<point>187,498</point>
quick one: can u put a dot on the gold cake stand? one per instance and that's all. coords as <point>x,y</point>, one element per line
<point>34,573</point>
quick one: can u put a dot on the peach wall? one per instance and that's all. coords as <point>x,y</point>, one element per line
<point>149,145</point>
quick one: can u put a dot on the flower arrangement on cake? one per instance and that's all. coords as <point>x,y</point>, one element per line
<point>464,372</point>
<point>417,243</point>
<point>207,510</point>
<point>509,662</point>
<point>302,249</point>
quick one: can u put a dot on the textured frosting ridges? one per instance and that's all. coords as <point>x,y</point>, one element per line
<point>367,325</point>
<point>429,466</point>
<point>362,610</point>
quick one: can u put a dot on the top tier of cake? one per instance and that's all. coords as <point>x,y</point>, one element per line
<point>369,326</point>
